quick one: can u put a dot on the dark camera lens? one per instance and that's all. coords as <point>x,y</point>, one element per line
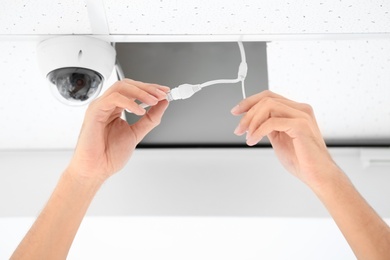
<point>80,82</point>
<point>76,85</point>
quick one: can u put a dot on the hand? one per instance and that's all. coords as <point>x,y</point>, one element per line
<point>106,142</point>
<point>292,130</point>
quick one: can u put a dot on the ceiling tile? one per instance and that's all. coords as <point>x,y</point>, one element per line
<point>347,83</point>
<point>43,17</point>
<point>247,17</point>
<point>353,75</point>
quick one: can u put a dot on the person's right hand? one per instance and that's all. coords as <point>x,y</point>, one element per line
<point>106,141</point>
<point>292,130</point>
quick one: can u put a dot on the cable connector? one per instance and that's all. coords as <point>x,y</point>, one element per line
<point>183,91</point>
<point>242,70</point>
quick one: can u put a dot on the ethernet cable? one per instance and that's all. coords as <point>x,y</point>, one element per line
<point>185,91</point>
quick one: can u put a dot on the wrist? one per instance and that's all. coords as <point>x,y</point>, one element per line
<point>83,177</point>
<point>327,179</point>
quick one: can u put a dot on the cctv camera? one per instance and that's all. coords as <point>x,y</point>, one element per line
<point>76,67</point>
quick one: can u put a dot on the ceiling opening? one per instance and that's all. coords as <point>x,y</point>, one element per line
<point>204,119</point>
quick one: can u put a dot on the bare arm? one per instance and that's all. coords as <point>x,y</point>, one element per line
<point>105,144</point>
<point>292,129</point>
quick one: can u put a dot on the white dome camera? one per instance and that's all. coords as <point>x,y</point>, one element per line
<point>76,67</point>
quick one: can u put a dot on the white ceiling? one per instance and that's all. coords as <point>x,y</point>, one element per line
<point>32,118</point>
<point>346,82</point>
<point>247,17</point>
<point>196,16</point>
<point>43,17</point>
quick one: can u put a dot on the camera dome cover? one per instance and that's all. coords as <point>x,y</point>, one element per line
<point>75,86</point>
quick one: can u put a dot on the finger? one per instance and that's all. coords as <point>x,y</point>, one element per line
<point>146,93</point>
<point>272,108</point>
<point>114,100</point>
<point>293,127</point>
<point>264,109</point>
<point>150,120</point>
<point>140,83</point>
<point>249,102</point>
<point>246,104</point>
<point>154,89</point>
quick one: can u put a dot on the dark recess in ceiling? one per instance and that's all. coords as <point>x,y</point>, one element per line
<point>204,118</point>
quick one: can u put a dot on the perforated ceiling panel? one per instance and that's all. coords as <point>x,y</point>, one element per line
<point>142,17</point>
<point>247,17</point>
<point>43,17</point>
<point>347,83</point>
<point>32,118</point>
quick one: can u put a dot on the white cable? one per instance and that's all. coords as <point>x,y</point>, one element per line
<point>242,51</point>
<point>185,91</point>
<point>243,69</point>
<point>220,81</point>
<point>119,71</point>
<point>118,68</point>
<point>243,89</point>
<point>120,75</point>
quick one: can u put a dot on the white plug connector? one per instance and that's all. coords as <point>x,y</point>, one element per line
<point>183,91</point>
<point>242,70</point>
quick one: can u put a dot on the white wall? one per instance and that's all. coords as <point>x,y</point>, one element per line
<point>178,203</point>
<point>190,238</point>
<point>187,182</point>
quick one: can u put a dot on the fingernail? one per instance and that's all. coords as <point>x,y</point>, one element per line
<point>238,130</point>
<point>142,111</point>
<point>252,141</point>
<point>234,109</point>
<point>161,92</point>
<point>165,88</point>
<point>249,140</point>
<point>155,100</point>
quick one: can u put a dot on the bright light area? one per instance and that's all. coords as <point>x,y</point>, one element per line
<point>190,238</point>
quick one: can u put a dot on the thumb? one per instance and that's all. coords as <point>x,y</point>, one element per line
<point>150,120</point>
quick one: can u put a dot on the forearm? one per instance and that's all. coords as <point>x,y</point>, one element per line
<point>365,231</point>
<point>54,230</point>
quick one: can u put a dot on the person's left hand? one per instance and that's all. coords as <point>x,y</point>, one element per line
<point>106,142</point>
